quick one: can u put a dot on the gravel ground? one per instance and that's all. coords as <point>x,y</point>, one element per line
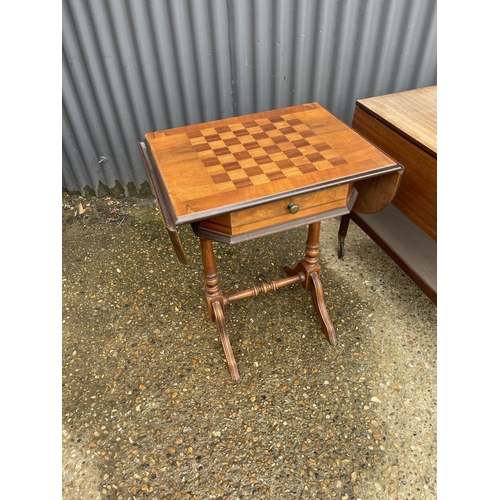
<point>149,409</point>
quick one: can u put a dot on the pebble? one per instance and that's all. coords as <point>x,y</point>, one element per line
<point>143,369</point>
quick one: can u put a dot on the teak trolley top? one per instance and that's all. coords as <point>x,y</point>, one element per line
<point>244,177</point>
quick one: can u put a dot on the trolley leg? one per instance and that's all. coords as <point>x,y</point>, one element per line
<point>344,225</point>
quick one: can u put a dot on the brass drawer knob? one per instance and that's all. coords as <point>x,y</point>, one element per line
<point>293,208</point>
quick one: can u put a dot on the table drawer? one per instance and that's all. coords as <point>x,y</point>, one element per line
<point>277,212</point>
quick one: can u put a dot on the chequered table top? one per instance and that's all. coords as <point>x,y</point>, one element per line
<point>259,151</point>
<point>216,167</point>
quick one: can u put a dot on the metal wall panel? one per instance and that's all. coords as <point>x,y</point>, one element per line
<point>133,66</point>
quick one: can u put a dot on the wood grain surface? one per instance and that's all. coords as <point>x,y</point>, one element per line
<point>276,212</point>
<point>404,126</point>
<point>412,114</point>
<point>218,167</point>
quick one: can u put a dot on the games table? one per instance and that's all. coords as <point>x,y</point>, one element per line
<point>249,176</point>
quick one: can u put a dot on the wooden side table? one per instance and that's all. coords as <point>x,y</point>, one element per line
<point>404,125</point>
<point>245,177</point>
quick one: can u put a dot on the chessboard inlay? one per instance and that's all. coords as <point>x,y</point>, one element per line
<point>259,151</point>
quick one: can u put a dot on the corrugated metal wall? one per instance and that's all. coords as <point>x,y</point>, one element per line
<point>134,66</point>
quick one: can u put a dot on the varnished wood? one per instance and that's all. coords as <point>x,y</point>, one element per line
<point>211,230</point>
<point>306,272</point>
<point>162,201</point>
<point>224,337</point>
<point>376,193</point>
<point>342,233</point>
<point>215,303</point>
<point>413,250</point>
<point>310,269</point>
<point>219,167</point>
<point>316,290</point>
<point>263,288</point>
<point>235,179</point>
<point>404,126</point>
<point>210,276</point>
<point>270,214</point>
<point>412,114</point>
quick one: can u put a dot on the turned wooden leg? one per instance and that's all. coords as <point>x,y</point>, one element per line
<point>215,303</point>
<point>314,284</point>
<point>210,276</point>
<point>310,268</point>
